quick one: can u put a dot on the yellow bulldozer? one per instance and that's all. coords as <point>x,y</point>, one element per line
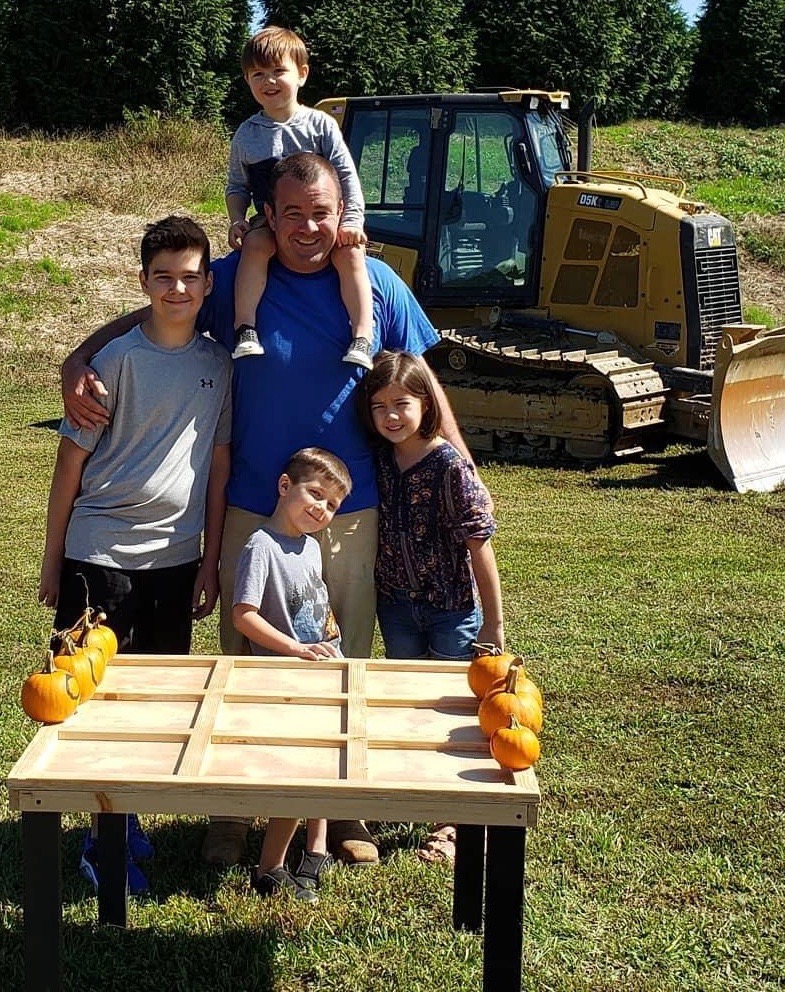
<point>580,312</point>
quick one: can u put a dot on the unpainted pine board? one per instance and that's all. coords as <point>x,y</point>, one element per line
<point>415,723</point>
<point>125,758</point>
<point>296,719</point>
<point>311,678</point>
<point>195,749</point>
<point>132,715</point>
<point>276,762</point>
<point>356,723</point>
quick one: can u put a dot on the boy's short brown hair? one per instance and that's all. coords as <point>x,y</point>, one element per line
<point>271,46</point>
<point>308,462</point>
<point>412,374</point>
<point>174,233</point>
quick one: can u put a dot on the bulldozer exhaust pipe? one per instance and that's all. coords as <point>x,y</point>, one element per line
<point>586,121</point>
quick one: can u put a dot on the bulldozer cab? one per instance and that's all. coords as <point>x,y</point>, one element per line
<point>462,181</point>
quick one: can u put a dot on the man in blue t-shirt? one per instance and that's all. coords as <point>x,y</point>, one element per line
<point>298,394</point>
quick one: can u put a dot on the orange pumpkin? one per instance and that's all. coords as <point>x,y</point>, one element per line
<point>487,666</point>
<point>51,695</point>
<point>515,747</point>
<point>97,634</point>
<point>514,695</point>
<point>85,663</point>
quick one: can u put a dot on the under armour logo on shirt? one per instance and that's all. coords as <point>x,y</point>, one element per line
<point>206,383</point>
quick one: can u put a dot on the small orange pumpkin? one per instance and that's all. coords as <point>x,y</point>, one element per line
<point>514,695</point>
<point>85,663</point>
<point>488,664</point>
<point>97,634</point>
<point>51,695</point>
<point>515,747</point>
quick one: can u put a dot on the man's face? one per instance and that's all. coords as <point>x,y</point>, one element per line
<point>305,222</point>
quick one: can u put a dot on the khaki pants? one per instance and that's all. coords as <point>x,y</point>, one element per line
<point>348,557</point>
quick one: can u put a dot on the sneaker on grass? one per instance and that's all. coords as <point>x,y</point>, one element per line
<point>88,867</point>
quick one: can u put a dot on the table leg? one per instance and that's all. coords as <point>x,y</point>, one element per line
<point>43,902</point>
<point>504,894</point>
<point>112,870</point>
<point>469,877</point>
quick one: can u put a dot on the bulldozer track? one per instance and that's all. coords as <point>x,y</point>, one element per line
<point>631,391</point>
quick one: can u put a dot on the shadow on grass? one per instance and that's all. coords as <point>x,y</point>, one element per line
<point>143,957</point>
<point>688,470</point>
<point>46,425</point>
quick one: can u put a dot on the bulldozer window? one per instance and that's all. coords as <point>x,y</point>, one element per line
<point>392,151</point>
<point>488,214</point>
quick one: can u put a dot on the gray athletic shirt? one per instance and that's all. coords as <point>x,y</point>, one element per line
<point>282,577</point>
<point>142,500</point>
<point>260,142</point>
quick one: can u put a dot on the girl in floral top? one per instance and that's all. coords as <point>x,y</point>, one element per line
<point>435,522</point>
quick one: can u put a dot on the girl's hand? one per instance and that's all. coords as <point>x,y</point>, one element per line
<point>492,633</point>
<point>353,236</point>
<point>237,231</point>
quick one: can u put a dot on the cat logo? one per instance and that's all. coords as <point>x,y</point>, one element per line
<point>715,237</point>
<point>206,383</point>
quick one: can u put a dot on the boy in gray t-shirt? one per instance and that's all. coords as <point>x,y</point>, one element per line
<point>275,65</point>
<point>129,501</point>
<point>281,606</point>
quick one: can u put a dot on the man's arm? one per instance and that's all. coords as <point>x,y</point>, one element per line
<point>66,482</point>
<point>206,584</point>
<point>79,383</point>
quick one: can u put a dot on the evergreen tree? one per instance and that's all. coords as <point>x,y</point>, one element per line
<point>631,55</point>
<point>739,70</point>
<point>172,56</point>
<point>363,47</point>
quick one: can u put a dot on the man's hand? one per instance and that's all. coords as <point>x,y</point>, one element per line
<point>351,236</point>
<point>80,386</point>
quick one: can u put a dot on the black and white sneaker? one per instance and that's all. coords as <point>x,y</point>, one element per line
<point>360,352</point>
<point>246,342</point>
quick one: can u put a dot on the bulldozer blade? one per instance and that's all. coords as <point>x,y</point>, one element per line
<point>746,435</point>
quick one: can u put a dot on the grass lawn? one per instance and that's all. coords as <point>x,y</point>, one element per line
<point>648,601</point>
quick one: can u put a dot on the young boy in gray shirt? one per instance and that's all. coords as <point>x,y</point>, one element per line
<point>281,606</point>
<point>129,501</point>
<point>275,65</point>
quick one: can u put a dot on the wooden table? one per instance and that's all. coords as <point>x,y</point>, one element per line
<point>220,735</point>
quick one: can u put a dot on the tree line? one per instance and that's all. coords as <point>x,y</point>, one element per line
<point>87,63</point>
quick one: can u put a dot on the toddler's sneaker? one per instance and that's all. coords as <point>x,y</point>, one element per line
<point>88,867</point>
<point>278,880</point>
<point>246,342</point>
<point>360,352</point>
<point>139,845</point>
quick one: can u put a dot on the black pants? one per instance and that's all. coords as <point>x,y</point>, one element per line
<point>148,609</point>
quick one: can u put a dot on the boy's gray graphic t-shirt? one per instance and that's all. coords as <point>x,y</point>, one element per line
<point>282,577</point>
<point>142,500</point>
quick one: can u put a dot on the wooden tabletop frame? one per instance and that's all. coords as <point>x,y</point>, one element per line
<point>340,738</point>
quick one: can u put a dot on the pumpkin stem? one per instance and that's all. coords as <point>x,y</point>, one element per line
<point>49,663</point>
<point>483,649</point>
<point>514,723</point>
<point>516,667</point>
